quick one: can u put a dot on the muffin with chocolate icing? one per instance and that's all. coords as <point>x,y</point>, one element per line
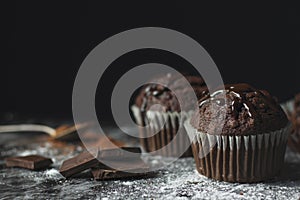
<point>170,110</point>
<point>294,116</point>
<point>250,146</point>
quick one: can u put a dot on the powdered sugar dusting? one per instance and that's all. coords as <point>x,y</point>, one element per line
<point>179,180</point>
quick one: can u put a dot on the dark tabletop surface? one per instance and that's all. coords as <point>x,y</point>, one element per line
<point>178,180</point>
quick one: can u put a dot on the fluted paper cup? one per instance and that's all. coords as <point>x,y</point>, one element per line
<point>294,138</point>
<point>243,159</point>
<point>165,135</point>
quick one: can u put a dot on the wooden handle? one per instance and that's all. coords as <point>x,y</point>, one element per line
<point>28,128</point>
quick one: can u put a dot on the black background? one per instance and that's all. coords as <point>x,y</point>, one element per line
<point>44,44</point>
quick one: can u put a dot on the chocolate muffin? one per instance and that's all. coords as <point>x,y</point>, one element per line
<point>170,110</point>
<point>250,147</point>
<point>294,116</point>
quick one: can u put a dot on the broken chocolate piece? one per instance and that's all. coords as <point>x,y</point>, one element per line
<point>33,162</point>
<point>108,174</point>
<point>120,153</point>
<point>124,165</point>
<point>79,163</point>
<point>89,159</point>
<point>120,169</point>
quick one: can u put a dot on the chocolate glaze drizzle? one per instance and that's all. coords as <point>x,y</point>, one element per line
<point>239,99</point>
<point>152,90</point>
<point>163,95</point>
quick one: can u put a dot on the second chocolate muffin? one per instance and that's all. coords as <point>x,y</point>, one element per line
<point>250,147</point>
<point>152,94</point>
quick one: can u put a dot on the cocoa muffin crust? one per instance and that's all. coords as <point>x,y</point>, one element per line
<point>152,94</point>
<point>247,111</point>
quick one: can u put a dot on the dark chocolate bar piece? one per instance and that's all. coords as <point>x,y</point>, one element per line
<point>108,174</point>
<point>89,159</point>
<point>120,169</point>
<point>120,153</point>
<point>33,162</point>
<point>79,163</point>
<point>124,165</point>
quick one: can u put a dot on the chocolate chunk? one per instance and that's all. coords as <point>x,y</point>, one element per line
<point>120,153</point>
<point>87,159</point>
<point>33,162</point>
<point>120,169</point>
<point>108,174</point>
<point>79,163</point>
<point>124,165</point>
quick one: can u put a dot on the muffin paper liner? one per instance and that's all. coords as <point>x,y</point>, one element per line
<point>251,158</point>
<point>294,138</point>
<point>164,136</point>
<point>288,107</point>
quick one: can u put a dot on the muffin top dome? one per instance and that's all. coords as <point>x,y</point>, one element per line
<point>152,94</point>
<point>247,111</point>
